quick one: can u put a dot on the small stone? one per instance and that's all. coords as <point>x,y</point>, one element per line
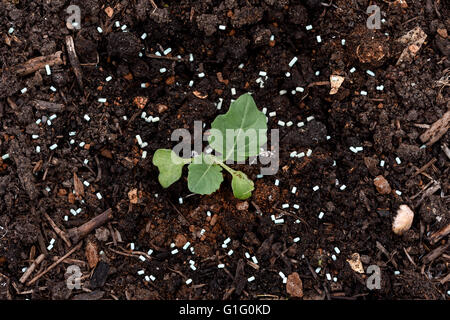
<point>442,32</point>
<point>242,205</point>
<point>382,185</point>
<point>162,108</point>
<point>403,220</point>
<point>294,285</point>
<point>102,234</point>
<point>180,240</point>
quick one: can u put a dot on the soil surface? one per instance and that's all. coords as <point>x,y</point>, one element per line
<point>89,160</point>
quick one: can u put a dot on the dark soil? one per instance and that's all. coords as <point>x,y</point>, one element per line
<point>357,219</point>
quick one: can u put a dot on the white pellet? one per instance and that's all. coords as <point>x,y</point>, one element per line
<point>293,61</point>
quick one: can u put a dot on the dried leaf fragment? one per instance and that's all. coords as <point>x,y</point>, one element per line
<point>355,263</point>
<point>91,254</point>
<point>78,186</point>
<point>336,82</point>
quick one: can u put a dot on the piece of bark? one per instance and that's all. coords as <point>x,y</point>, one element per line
<point>73,58</point>
<point>438,235</point>
<point>48,106</point>
<point>94,295</point>
<point>24,169</point>
<point>436,253</point>
<point>38,63</point>
<point>99,276</point>
<point>239,277</point>
<point>437,130</point>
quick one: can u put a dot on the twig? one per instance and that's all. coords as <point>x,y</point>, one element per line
<point>154,56</point>
<point>425,167</point>
<point>431,190</point>
<point>58,231</point>
<point>78,246</point>
<point>438,235</point>
<point>74,60</point>
<point>154,5</point>
<point>436,253</point>
<point>78,233</point>
<point>31,268</point>
<point>446,150</point>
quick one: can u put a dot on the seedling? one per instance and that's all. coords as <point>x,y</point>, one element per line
<point>235,136</point>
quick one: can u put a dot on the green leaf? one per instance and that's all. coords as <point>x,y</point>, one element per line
<point>204,175</point>
<point>242,185</point>
<point>170,166</point>
<point>245,128</point>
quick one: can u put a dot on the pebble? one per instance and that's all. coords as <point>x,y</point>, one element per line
<point>382,185</point>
